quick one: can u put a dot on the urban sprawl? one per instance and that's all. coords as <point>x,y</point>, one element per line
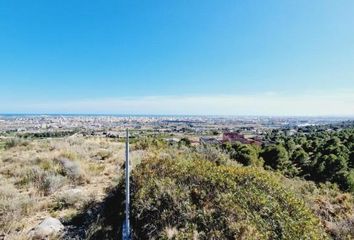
<point>198,129</point>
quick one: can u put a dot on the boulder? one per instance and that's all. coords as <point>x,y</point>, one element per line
<point>48,227</point>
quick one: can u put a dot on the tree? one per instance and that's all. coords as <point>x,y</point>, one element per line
<point>321,153</point>
<point>290,145</point>
<point>277,157</point>
<point>350,181</point>
<point>185,141</point>
<point>351,159</point>
<point>245,154</point>
<point>345,180</point>
<point>302,160</point>
<point>329,166</point>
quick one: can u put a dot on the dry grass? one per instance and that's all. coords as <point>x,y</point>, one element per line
<point>53,177</point>
<point>334,208</point>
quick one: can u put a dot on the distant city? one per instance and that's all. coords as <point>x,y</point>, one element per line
<point>199,129</point>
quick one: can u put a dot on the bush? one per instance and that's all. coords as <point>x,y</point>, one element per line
<point>13,142</point>
<point>276,157</point>
<point>145,143</point>
<point>185,141</point>
<point>45,182</point>
<point>72,170</point>
<point>244,153</point>
<point>212,154</point>
<point>103,154</point>
<point>345,179</point>
<point>13,205</point>
<point>50,183</point>
<point>71,198</point>
<point>200,199</point>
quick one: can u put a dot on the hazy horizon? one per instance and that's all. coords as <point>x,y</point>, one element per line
<point>344,117</point>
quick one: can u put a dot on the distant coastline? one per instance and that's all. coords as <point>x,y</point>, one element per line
<point>349,117</point>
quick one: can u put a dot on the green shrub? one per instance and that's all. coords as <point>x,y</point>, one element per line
<point>145,143</point>
<point>201,199</point>
<point>245,154</point>
<point>212,154</point>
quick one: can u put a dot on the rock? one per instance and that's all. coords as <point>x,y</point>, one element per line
<point>48,227</point>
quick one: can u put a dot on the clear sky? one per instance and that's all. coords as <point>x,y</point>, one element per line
<point>232,57</point>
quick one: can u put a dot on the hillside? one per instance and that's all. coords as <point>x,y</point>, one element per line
<point>187,199</point>
<point>57,178</point>
<point>178,192</point>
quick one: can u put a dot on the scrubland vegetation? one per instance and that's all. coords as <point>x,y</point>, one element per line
<point>183,192</point>
<point>53,177</point>
<point>200,200</point>
<point>296,187</point>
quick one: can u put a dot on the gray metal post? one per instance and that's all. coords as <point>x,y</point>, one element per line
<point>126,227</point>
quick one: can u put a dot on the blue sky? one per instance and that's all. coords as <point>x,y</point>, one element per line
<point>177,57</point>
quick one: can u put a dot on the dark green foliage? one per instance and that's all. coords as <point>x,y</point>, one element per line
<point>196,199</point>
<point>185,141</point>
<point>329,166</point>
<point>318,153</point>
<point>351,159</point>
<point>52,134</point>
<point>244,153</point>
<point>300,157</point>
<point>215,132</point>
<point>346,180</point>
<point>277,157</point>
<point>351,149</point>
<point>290,146</point>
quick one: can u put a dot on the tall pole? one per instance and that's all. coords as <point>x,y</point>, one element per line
<point>127,233</point>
